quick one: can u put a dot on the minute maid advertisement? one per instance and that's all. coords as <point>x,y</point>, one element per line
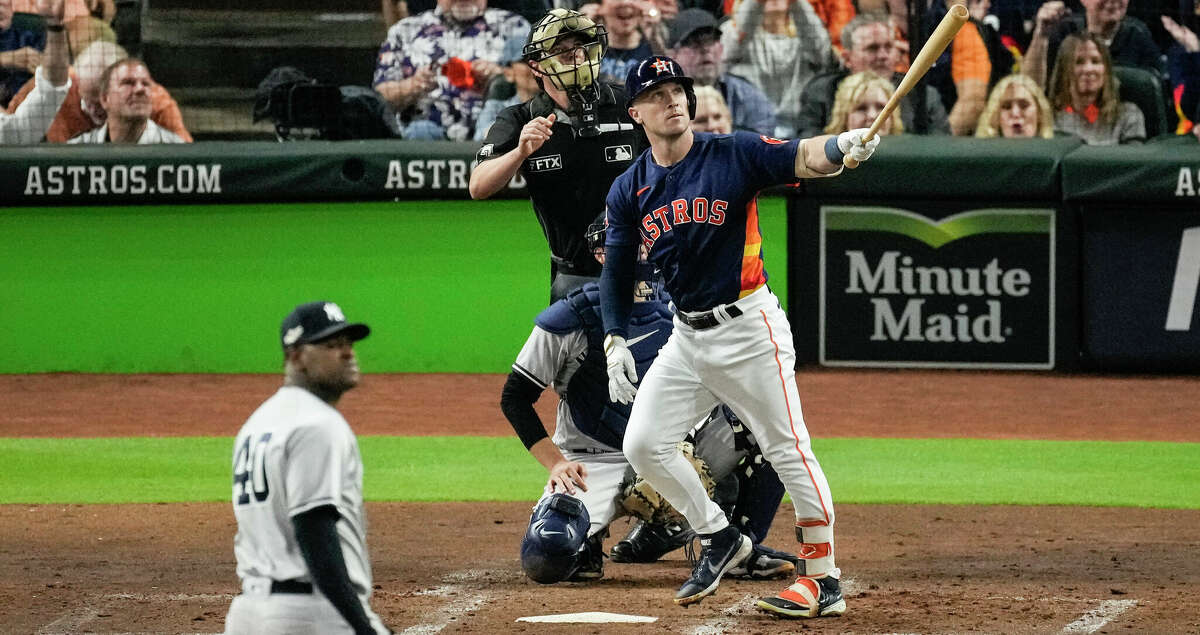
<point>971,290</point>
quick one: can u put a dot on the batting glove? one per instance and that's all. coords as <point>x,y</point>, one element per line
<point>622,371</point>
<point>851,144</point>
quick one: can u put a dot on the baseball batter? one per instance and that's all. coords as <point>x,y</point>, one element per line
<point>590,482</point>
<point>297,492</point>
<point>691,201</point>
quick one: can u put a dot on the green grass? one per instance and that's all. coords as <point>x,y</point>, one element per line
<point>903,471</point>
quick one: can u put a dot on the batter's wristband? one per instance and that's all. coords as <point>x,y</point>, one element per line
<point>833,152</point>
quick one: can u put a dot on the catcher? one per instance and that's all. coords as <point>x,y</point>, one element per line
<point>590,482</point>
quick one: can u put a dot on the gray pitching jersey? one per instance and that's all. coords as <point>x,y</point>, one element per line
<point>296,453</point>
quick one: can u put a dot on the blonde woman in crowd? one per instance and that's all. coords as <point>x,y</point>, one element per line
<point>859,99</point>
<point>712,114</point>
<point>1016,108</point>
<point>1083,92</point>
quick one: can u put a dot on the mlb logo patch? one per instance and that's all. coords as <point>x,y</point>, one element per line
<point>546,163</point>
<point>615,154</point>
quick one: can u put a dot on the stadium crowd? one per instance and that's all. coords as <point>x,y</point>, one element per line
<point>1106,71</point>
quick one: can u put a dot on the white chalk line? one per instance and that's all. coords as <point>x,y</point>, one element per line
<point>461,600</point>
<point>74,619</point>
<point>1096,618</point>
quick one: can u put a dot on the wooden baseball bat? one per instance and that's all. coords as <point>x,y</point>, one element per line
<point>954,20</point>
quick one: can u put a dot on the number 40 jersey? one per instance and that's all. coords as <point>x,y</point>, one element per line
<point>296,453</point>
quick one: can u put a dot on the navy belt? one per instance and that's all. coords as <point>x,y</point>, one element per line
<point>708,319</point>
<point>291,586</point>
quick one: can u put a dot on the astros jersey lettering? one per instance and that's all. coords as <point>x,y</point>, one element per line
<point>700,223</point>
<point>296,453</point>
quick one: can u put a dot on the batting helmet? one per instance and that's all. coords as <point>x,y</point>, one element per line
<point>558,528</point>
<point>655,70</point>
<point>548,46</point>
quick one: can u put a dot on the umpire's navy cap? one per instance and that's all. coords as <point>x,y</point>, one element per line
<point>316,321</point>
<point>651,72</point>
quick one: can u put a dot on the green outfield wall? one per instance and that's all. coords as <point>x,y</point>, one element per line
<point>185,258</point>
<point>447,286</point>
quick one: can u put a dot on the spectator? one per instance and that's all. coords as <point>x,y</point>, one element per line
<point>28,123</point>
<point>695,44</point>
<point>963,84</point>
<point>86,21</point>
<point>1084,95</point>
<point>1127,38</point>
<point>433,66</point>
<point>859,100</point>
<point>869,44</point>
<point>835,15</point>
<point>712,114</point>
<point>518,79</point>
<point>82,112</point>
<point>778,45</point>
<point>20,53</point>
<point>633,35</point>
<point>964,70</point>
<point>1014,21</point>
<point>1016,108</point>
<point>1183,61</point>
<point>125,95</point>
<point>1150,13</point>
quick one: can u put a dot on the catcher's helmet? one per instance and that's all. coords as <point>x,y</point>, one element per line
<point>557,530</point>
<point>655,70</point>
<point>564,66</point>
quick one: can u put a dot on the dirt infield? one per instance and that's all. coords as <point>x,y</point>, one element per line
<point>452,567</point>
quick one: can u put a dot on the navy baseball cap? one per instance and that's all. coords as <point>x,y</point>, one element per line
<point>651,72</point>
<point>316,321</point>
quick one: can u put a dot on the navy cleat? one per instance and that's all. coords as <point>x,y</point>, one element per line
<point>648,542</point>
<point>720,552</point>
<point>807,597</point>
<point>764,563</point>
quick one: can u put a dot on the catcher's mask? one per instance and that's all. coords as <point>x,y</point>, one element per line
<point>566,47</point>
<point>646,277</point>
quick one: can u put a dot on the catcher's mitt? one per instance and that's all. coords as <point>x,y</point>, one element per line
<point>639,498</point>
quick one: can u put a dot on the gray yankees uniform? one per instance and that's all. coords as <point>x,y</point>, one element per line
<point>296,454</point>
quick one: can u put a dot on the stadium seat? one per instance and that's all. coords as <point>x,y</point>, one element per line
<point>1143,89</point>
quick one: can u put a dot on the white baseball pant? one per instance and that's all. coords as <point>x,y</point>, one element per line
<point>746,362</point>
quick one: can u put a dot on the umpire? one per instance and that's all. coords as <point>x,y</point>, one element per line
<point>569,142</point>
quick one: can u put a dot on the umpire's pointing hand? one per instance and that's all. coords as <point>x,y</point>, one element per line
<point>622,371</point>
<point>534,134</point>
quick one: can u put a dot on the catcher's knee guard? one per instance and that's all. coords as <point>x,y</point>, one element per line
<point>558,527</point>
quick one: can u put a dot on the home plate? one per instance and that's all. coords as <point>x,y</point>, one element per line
<point>591,617</point>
